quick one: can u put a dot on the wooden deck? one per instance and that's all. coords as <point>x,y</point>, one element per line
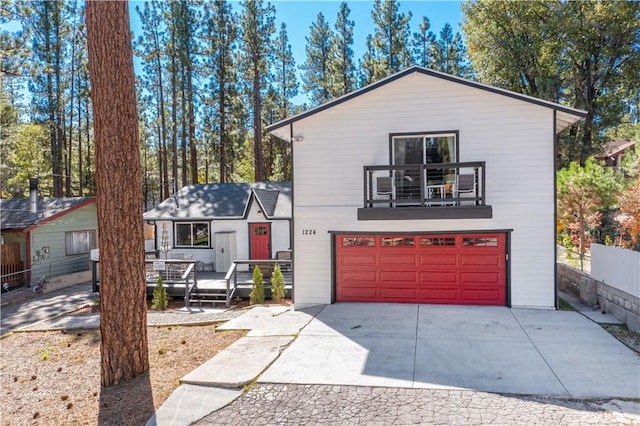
<point>214,282</point>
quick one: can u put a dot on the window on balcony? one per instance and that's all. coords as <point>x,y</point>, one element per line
<point>424,149</point>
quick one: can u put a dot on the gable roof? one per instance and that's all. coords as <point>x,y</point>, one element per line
<point>566,115</point>
<point>15,213</point>
<point>613,148</point>
<point>224,201</point>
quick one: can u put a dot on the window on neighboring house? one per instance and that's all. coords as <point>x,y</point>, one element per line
<point>79,242</point>
<point>192,234</point>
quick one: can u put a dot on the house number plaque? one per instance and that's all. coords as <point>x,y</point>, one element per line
<point>308,232</point>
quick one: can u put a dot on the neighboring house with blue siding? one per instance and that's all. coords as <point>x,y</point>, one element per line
<point>53,236</point>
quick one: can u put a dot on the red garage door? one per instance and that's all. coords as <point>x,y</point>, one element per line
<point>456,269</point>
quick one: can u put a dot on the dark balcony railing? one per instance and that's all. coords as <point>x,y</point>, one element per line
<point>445,186</point>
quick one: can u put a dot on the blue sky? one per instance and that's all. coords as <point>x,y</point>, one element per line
<point>298,15</point>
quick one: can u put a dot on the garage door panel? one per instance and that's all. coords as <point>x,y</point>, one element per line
<point>480,296</point>
<point>398,259</point>
<point>484,260</point>
<point>398,276</point>
<point>439,295</point>
<point>358,276</point>
<point>360,293</point>
<point>438,259</point>
<point>481,277</point>
<point>460,269</point>
<point>397,294</point>
<point>367,259</point>
<point>438,277</point>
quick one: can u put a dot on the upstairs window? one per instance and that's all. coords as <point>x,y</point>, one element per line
<point>424,149</point>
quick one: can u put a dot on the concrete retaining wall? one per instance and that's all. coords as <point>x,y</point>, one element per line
<point>591,292</point>
<point>63,281</point>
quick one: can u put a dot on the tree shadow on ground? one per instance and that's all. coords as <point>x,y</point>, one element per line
<point>129,403</point>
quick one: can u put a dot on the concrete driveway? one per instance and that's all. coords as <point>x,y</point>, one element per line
<point>493,349</point>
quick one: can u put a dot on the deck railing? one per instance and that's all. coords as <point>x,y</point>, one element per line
<point>425,185</point>
<point>232,274</point>
<point>173,271</point>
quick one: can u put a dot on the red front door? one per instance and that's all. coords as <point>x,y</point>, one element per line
<point>260,236</point>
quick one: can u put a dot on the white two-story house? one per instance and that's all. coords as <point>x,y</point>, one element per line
<point>425,188</point>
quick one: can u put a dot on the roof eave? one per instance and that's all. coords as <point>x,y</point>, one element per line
<point>576,113</point>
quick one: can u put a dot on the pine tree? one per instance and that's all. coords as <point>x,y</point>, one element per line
<point>258,27</point>
<point>317,76</point>
<point>369,64</point>
<point>220,38</point>
<point>285,88</point>
<point>341,65</point>
<point>123,328</point>
<point>150,48</point>
<point>450,53</point>
<point>48,21</point>
<point>160,299</point>
<point>391,37</point>
<point>278,290</point>
<point>423,44</point>
<point>256,296</point>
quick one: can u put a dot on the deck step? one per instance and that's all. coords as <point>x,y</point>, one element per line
<point>210,296</point>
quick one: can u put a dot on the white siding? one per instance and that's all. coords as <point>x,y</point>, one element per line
<point>279,236</point>
<point>513,137</point>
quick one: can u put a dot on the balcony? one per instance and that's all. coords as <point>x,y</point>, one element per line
<point>425,191</point>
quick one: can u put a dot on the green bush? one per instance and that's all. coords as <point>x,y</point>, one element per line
<point>256,296</point>
<point>277,285</point>
<point>160,300</point>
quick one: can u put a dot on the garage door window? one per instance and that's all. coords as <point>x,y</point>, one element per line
<point>397,242</point>
<point>438,241</point>
<point>358,242</point>
<point>480,242</point>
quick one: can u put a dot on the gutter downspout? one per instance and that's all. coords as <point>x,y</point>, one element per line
<point>292,224</point>
<point>555,211</point>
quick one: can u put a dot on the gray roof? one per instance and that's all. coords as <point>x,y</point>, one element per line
<point>566,116</point>
<point>224,201</point>
<point>15,213</point>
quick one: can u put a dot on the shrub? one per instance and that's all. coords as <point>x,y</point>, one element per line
<point>160,300</point>
<point>256,296</point>
<point>277,285</point>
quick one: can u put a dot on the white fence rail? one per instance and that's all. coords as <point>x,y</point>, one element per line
<point>616,267</point>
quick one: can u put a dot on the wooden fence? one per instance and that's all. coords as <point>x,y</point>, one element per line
<point>11,267</point>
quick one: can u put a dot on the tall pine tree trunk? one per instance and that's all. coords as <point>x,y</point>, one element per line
<point>257,126</point>
<point>123,313</point>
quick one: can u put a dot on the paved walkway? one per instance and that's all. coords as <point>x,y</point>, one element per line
<point>20,308</point>
<point>273,331</point>
<point>274,404</point>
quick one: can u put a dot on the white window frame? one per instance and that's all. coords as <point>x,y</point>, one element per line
<point>191,230</point>
<point>79,242</point>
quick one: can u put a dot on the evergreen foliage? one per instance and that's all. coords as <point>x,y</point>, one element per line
<point>213,75</point>
<point>256,296</point>
<point>278,291</point>
<point>160,299</point>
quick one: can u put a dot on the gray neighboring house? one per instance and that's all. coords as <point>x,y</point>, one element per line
<point>46,237</point>
<point>217,223</point>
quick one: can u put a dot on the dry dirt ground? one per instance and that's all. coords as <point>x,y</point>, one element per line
<point>53,378</point>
